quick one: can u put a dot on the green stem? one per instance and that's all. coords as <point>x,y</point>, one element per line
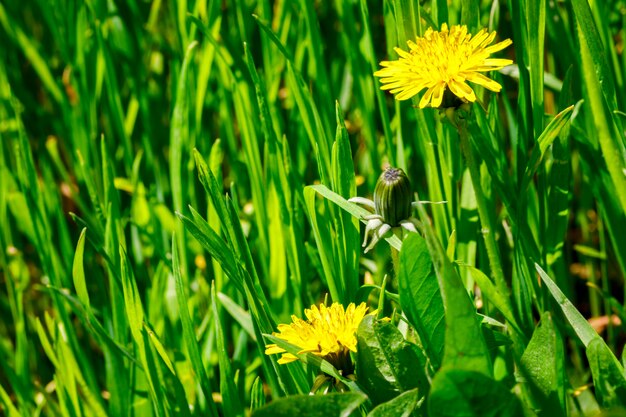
<point>487,230</point>
<point>395,253</point>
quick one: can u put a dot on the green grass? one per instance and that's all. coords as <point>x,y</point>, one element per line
<point>174,178</point>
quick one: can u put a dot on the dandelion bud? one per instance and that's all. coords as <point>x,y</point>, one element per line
<point>392,196</point>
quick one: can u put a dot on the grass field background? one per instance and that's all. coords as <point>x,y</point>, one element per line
<point>173,177</point>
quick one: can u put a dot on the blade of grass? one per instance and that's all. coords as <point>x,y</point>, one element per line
<point>32,55</point>
<point>179,143</point>
<point>231,400</point>
<point>351,208</point>
<point>189,335</point>
<point>600,93</point>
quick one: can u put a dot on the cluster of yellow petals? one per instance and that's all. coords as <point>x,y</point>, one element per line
<point>443,59</point>
<point>327,331</point>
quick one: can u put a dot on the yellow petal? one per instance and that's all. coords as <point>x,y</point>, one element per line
<point>488,83</point>
<point>488,40</point>
<point>273,349</point>
<point>497,63</point>
<point>407,93</point>
<point>438,95</point>
<point>498,46</point>
<point>426,97</point>
<point>402,53</point>
<point>287,358</point>
<point>462,90</point>
<point>479,38</point>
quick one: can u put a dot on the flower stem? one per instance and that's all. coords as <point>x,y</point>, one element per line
<point>395,254</point>
<point>487,230</point>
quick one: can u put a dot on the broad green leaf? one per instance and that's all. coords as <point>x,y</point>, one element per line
<point>335,404</point>
<point>402,406</point>
<point>465,393</point>
<point>465,347</point>
<point>420,297</point>
<point>609,380</point>
<point>387,365</point>
<point>607,371</point>
<point>542,365</point>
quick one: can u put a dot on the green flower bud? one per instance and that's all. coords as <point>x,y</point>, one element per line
<point>392,196</point>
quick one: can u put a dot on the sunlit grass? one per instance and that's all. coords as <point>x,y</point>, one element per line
<point>175,179</point>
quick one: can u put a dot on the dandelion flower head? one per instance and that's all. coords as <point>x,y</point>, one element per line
<point>328,332</point>
<point>442,60</point>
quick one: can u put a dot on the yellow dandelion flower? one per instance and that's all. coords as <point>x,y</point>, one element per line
<point>328,332</point>
<point>442,60</point>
